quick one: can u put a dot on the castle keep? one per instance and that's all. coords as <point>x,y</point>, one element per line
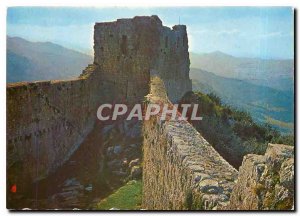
<point>128,51</point>
<point>47,121</point>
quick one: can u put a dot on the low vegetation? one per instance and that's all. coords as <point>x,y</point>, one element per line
<point>128,197</point>
<point>232,132</point>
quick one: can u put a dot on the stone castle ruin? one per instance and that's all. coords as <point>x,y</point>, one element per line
<point>47,121</point>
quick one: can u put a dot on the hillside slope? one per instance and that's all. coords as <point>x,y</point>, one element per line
<point>29,61</point>
<point>263,103</point>
<point>233,133</point>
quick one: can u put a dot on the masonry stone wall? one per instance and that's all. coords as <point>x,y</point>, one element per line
<point>173,64</point>
<point>46,122</point>
<point>181,170</point>
<point>128,51</point>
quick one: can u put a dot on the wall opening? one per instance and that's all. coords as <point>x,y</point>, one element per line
<point>124,45</point>
<point>166,41</point>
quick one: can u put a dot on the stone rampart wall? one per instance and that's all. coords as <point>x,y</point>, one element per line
<point>181,170</point>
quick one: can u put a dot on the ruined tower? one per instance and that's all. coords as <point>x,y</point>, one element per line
<point>128,51</point>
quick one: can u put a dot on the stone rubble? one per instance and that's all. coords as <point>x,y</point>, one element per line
<point>265,182</point>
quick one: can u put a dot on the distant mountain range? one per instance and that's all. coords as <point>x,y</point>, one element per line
<point>265,104</point>
<point>29,61</point>
<point>278,74</point>
<point>265,88</point>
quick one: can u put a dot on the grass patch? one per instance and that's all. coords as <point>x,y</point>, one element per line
<point>128,197</point>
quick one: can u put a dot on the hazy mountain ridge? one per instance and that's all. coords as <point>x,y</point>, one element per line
<point>260,101</point>
<point>29,61</point>
<point>278,74</point>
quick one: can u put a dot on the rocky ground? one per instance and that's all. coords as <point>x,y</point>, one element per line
<point>266,182</point>
<point>106,160</point>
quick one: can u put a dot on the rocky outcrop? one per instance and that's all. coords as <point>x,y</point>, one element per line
<point>181,170</point>
<point>265,182</point>
<point>123,149</point>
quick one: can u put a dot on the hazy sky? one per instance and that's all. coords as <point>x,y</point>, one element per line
<point>265,32</point>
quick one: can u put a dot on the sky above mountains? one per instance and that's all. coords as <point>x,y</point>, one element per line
<point>264,32</point>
